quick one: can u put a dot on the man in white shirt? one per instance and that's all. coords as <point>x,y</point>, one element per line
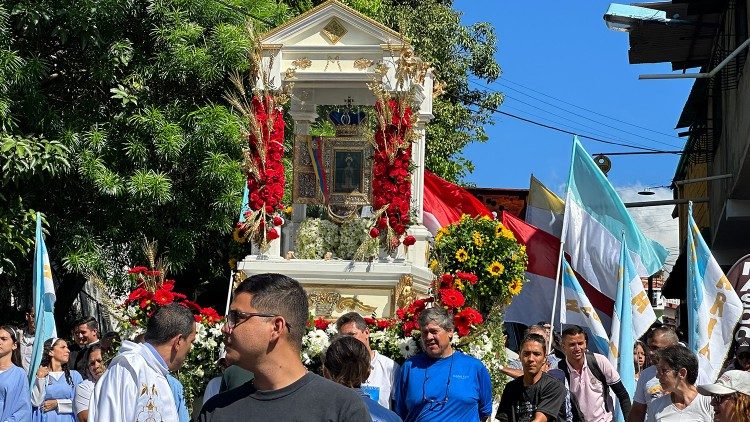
<point>26,339</point>
<point>383,370</point>
<point>136,386</point>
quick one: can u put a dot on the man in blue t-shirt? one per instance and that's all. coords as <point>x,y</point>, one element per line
<point>442,384</point>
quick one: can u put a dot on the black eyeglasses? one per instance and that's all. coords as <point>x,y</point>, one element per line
<point>434,403</point>
<point>235,318</point>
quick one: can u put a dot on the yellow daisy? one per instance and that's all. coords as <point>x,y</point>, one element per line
<point>515,287</point>
<point>509,234</point>
<point>462,255</point>
<point>477,238</point>
<point>442,232</point>
<point>495,269</point>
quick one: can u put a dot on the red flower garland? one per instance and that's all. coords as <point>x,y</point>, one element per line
<point>266,186</point>
<point>391,183</point>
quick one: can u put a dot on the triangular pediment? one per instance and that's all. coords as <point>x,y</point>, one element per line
<point>332,24</point>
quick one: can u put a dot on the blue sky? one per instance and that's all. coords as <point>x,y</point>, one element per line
<point>563,50</point>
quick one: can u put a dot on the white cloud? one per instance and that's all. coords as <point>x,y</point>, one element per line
<point>655,222</point>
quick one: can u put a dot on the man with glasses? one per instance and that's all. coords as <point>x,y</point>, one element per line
<point>535,396</point>
<point>442,384</point>
<point>263,334</point>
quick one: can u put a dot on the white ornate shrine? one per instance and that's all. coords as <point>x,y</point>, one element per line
<point>327,56</point>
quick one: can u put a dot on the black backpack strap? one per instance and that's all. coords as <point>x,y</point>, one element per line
<point>597,373</point>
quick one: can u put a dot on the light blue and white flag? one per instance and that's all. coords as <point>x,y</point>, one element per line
<point>43,292</point>
<point>245,203</point>
<point>576,309</point>
<point>595,222</point>
<point>713,305</point>
<point>623,334</point>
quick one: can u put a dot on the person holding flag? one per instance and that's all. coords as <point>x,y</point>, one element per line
<point>43,292</point>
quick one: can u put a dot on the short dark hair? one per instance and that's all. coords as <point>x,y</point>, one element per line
<point>279,295</point>
<point>574,330</point>
<point>167,322</point>
<point>535,338</point>
<point>438,315</point>
<point>89,321</point>
<point>677,357</point>
<point>347,361</point>
<point>354,317</point>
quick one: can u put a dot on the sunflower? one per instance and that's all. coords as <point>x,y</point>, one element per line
<point>442,232</point>
<point>515,287</point>
<point>239,235</point>
<point>462,255</point>
<point>495,269</point>
<point>458,285</point>
<point>434,264</point>
<point>477,238</point>
<point>499,229</point>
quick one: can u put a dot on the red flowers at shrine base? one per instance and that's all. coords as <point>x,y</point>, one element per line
<point>265,172</point>
<point>391,185</point>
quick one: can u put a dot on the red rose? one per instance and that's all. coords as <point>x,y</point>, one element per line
<point>163,297</point>
<point>277,221</point>
<point>198,318</point>
<point>374,232</point>
<point>369,320</point>
<point>321,324</point>
<point>470,277</point>
<point>452,298</point>
<point>409,240</point>
<point>272,234</point>
<point>384,323</point>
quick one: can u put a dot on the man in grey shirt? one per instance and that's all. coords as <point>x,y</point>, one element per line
<point>263,334</point>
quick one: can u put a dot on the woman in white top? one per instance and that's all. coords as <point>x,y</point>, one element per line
<point>677,371</point>
<point>54,388</point>
<point>96,368</point>
<point>730,396</point>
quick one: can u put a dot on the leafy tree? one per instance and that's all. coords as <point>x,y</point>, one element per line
<point>114,127</point>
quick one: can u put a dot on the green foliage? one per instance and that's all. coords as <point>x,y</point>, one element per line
<point>113,124</point>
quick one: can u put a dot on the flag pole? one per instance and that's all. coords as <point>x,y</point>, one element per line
<point>555,298</point>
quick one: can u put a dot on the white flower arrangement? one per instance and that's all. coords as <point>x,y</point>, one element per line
<point>315,343</point>
<point>351,235</point>
<point>315,237</point>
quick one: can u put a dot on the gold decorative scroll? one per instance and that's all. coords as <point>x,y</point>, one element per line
<point>363,63</point>
<point>354,304</point>
<point>334,30</point>
<point>404,291</point>
<point>302,63</point>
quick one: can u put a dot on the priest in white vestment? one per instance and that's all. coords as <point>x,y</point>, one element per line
<point>135,386</point>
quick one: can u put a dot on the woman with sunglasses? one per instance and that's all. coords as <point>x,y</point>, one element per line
<point>54,387</point>
<point>15,405</point>
<point>730,396</point>
<point>442,384</point>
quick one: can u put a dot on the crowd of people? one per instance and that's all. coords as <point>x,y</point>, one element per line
<point>264,377</point>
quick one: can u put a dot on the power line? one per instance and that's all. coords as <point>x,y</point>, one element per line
<point>495,110</point>
<point>583,108</point>
<point>568,111</point>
